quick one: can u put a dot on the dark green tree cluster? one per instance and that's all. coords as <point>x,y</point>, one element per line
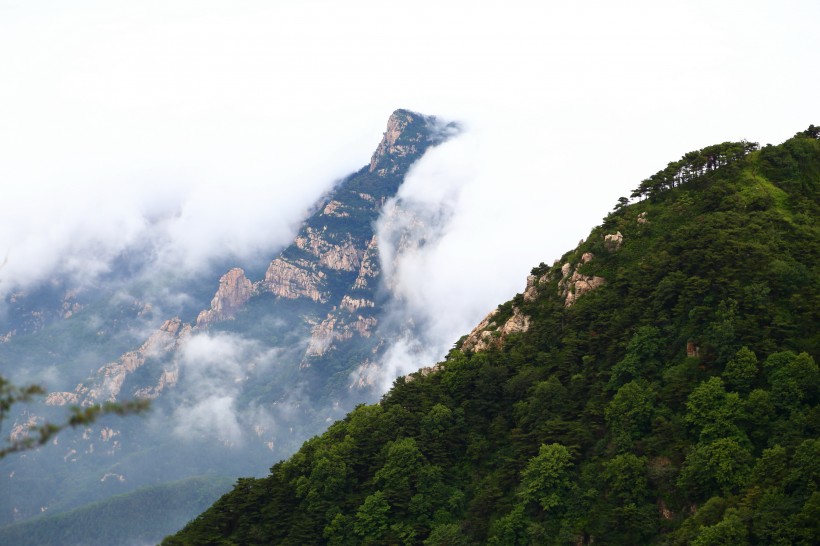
<point>693,165</point>
<point>675,404</point>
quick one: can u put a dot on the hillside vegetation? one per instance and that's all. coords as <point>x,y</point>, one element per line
<point>663,390</point>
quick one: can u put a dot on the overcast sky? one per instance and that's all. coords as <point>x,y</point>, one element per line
<point>208,127</point>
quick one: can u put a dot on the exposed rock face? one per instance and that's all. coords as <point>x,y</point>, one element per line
<point>517,323</point>
<point>62,398</point>
<point>168,379</point>
<point>370,268</point>
<point>574,284</point>
<point>234,290</point>
<point>477,340</point>
<point>333,329</point>
<point>613,241</point>
<point>287,280</point>
<point>424,372</point>
<point>107,383</point>
<point>344,256</point>
<point>335,208</point>
<point>489,334</point>
<point>396,124</point>
<point>533,285</point>
<point>162,342</point>
<point>353,304</point>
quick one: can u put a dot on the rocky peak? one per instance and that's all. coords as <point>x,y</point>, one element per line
<point>396,123</point>
<point>407,134</point>
<point>234,290</point>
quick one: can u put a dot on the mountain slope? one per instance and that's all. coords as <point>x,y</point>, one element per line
<point>122,519</point>
<point>657,384</point>
<point>242,380</point>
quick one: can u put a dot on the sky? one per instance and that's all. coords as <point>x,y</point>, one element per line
<point>205,129</point>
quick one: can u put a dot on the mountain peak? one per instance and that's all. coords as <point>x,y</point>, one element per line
<point>404,129</point>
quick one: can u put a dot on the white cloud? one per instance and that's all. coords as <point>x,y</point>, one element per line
<point>213,368</point>
<point>201,128</point>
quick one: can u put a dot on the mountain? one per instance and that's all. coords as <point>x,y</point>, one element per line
<point>655,385</point>
<point>237,378</point>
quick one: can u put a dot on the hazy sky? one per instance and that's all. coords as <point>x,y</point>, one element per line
<point>208,127</point>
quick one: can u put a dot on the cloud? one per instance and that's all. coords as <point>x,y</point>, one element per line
<point>212,370</point>
<point>455,243</point>
<point>198,133</point>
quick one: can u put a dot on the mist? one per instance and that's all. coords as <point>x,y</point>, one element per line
<point>203,131</point>
<point>196,135</point>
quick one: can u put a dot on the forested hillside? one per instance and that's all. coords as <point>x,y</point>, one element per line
<point>658,384</point>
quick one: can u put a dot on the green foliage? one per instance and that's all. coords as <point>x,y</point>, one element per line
<point>630,412</point>
<point>546,478</point>
<point>730,531</point>
<point>717,466</point>
<point>741,371</point>
<point>639,415</point>
<point>371,522</point>
<point>626,477</point>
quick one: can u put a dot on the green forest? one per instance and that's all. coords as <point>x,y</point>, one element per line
<point>676,403</point>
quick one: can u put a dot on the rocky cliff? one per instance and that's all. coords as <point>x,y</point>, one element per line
<point>333,262</point>
<point>234,290</point>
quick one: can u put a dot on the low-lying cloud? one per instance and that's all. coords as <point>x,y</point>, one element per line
<point>197,133</point>
<point>213,367</point>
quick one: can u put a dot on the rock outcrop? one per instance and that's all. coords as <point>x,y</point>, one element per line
<point>390,146</point>
<point>234,290</point>
<point>287,280</point>
<point>534,284</point>
<point>489,333</point>
<point>333,329</point>
<point>344,256</point>
<point>335,208</point>
<point>573,284</point>
<point>370,267</point>
<point>168,379</point>
<point>613,241</point>
<point>108,381</point>
<point>62,399</point>
<point>353,304</point>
